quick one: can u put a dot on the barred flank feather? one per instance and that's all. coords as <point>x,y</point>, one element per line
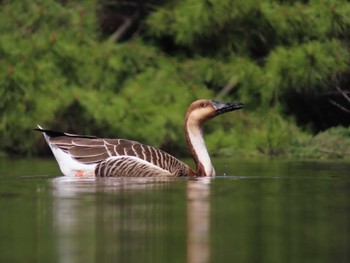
<point>128,166</point>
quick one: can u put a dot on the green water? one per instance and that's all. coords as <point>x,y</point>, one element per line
<point>260,211</point>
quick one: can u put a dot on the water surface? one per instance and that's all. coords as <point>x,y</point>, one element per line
<point>255,211</point>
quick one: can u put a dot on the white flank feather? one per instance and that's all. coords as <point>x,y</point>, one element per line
<point>68,165</point>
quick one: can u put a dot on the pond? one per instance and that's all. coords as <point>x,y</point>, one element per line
<point>256,211</point>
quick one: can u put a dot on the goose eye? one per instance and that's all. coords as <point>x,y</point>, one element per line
<point>202,104</point>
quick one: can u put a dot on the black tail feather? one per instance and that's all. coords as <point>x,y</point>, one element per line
<point>53,134</point>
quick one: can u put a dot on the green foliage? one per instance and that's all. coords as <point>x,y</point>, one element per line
<point>249,135</point>
<point>56,70</point>
<point>308,67</point>
<point>333,143</point>
<point>38,66</point>
<point>249,27</point>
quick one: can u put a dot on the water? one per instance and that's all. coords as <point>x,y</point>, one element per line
<point>259,211</point>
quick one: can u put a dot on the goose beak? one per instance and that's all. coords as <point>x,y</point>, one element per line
<point>222,107</point>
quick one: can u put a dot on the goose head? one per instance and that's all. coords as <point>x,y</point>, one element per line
<point>202,110</point>
<point>197,114</point>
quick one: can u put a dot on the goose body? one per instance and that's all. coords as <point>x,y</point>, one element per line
<point>82,155</point>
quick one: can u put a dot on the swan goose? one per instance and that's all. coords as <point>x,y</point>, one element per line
<point>82,155</point>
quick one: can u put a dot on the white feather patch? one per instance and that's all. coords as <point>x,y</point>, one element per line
<point>70,166</point>
<point>199,147</point>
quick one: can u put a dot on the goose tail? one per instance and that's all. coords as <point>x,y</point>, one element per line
<point>44,132</point>
<point>68,165</point>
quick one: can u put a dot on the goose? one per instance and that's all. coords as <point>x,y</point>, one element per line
<point>90,156</point>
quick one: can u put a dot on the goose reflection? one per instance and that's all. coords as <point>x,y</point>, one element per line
<point>132,219</point>
<point>198,220</point>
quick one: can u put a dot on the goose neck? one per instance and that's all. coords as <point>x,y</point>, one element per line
<point>198,149</point>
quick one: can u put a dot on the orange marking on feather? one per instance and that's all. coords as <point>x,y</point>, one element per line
<point>79,173</point>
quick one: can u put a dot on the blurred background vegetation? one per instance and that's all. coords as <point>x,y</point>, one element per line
<point>130,68</point>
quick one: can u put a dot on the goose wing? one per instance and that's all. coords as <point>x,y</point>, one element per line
<point>94,150</point>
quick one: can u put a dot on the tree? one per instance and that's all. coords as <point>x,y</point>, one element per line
<point>101,67</point>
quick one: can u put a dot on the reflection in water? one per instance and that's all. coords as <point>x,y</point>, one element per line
<point>128,219</point>
<point>70,220</point>
<point>272,212</point>
<point>198,220</point>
